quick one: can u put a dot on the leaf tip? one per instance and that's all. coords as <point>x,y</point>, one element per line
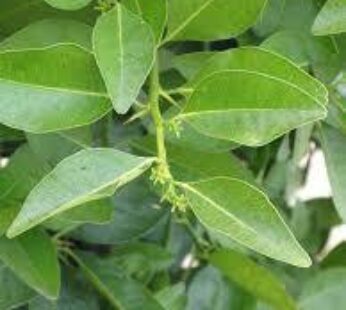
<point>14,230</point>
<point>303,261</point>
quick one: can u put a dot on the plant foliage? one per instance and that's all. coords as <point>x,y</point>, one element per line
<point>152,152</point>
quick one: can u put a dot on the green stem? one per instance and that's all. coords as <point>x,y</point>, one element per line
<point>179,91</point>
<point>65,231</point>
<point>300,148</point>
<point>154,97</point>
<point>161,173</point>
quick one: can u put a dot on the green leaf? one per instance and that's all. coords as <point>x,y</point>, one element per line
<point>69,5</point>
<point>16,181</point>
<point>208,20</point>
<point>294,15</point>
<point>325,56</point>
<point>172,297</point>
<point>190,165</point>
<point>95,212</point>
<point>141,260</point>
<point>124,50</point>
<point>331,19</point>
<point>293,45</point>
<point>249,103</point>
<point>263,62</point>
<point>243,213</point>
<point>253,278</point>
<point>311,223</point>
<point>336,257</point>
<point>33,258</point>
<point>97,172</point>
<point>54,147</point>
<point>154,12</point>
<point>8,134</point>
<point>135,215</point>
<point>51,148</point>
<point>193,139</point>
<point>29,11</point>
<point>121,291</point>
<point>49,32</point>
<point>189,64</point>
<point>208,288</point>
<point>325,291</point>
<point>13,293</point>
<point>30,163</point>
<point>66,76</point>
<point>76,294</point>
<point>334,147</point>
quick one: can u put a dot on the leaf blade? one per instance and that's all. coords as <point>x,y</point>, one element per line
<point>154,12</point>
<point>99,172</point>
<point>33,258</point>
<point>247,96</point>
<point>243,213</point>
<point>244,272</point>
<point>331,19</point>
<point>69,5</point>
<point>187,21</point>
<point>27,84</point>
<point>124,63</point>
<point>333,143</point>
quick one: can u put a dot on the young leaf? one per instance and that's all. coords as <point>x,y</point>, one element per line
<point>33,258</point>
<point>207,20</point>
<point>331,19</point>
<point>66,76</point>
<point>253,278</point>
<point>250,104</point>
<point>334,147</point>
<point>124,50</point>
<point>69,5</point>
<point>14,292</point>
<point>242,212</point>
<point>154,12</point>
<point>121,291</point>
<point>85,176</point>
<point>325,291</point>
<point>48,32</point>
